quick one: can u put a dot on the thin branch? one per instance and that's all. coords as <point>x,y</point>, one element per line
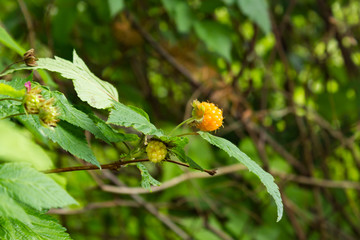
<point>163,53</point>
<point>210,172</point>
<point>173,182</point>
<point>230,169</point>
<point>29,24</point>
<point>111,166</point>
<point>14,115</point>
<point>11,99</point>
<point>151,208</point>
<point>93,206</point>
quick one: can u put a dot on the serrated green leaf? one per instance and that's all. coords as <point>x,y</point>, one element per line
<point>9,108</point>
<point>69,137</point>
<point>256,10</point>
<point>72,115</point>
<point>216,36</point>
<point>89,88</point>
<point>176,147</point>
<point>18,83</point>
<point>11,209</point>
<point>16,146</point>
<point>10,91</point>
<point>31,187</point>
<point>140,111</point>
<point>43,227</point>
<point>235,152</point>
<point>111,134</point>
<point>146,179</point>
<point>9,42</point>
<point>124,116</point>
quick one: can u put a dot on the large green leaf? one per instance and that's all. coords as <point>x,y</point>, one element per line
<point>115,6</point>
<point>146,179</point>
<point>216,36</point>
<point>257,10</point>
<point>69,137</point>
<point>17,146</point>
<point>72,115</point>
<point>125,116</point>
<point>176,147</point>
<point>43,227</point>
<point>111,134</point>
<point>8,41</point>
<point>11,209</point>
<point>31,187</point>
<point>9,108</point>
<point>235,152</point>
<point>89,88</point>
<point>10,91</point>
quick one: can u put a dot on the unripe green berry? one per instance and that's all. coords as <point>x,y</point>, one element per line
<point>48,113</point>
<point>33,101</point>
<point>156,151</point>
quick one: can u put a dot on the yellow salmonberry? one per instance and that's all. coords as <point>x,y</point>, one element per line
<point>156,151</point>
<point>208,117</point>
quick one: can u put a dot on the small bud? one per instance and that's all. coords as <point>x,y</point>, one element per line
<point>30,59</point>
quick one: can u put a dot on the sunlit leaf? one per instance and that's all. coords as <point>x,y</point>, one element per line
<point>125,116</point>
<point>31,187</point>
<point>235,152</point>
<point>257,10</point>
<point>146,179</point>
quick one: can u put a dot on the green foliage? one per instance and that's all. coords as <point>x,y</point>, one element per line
<point>115,6</point>
<point>95,92</point>
<point>23,193</point>
<point>176,147</point>
<point>8,41</point>
<point>256,10</point>
<point>111,134</point>
<point>11,209</point>
<point>235,152</point>
<point>216,36</point>
<point>146,179</point>
<point>10,91</point>
<point>125,116</point>
<point>182,14</point>
<point>26,185</point>
<point>42,227</point>
<point>69,137</point>
<point>11,138</point>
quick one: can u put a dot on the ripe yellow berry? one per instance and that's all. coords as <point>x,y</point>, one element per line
<point>156,151</point>
<point>208,116</point>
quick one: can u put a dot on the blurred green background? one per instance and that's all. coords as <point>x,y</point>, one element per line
<point>286,74</point>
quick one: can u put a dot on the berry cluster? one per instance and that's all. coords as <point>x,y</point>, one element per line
<point>35,104</point>
<point>208,117</point>
<point>156,151</point>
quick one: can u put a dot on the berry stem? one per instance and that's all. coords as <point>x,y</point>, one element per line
<point>14,115</point>
<point>116,166</point>
<point>11,99</point>
<point>22,60</point>
<point>182,123</point>
<point>111,166</point>
<point>186,134</point>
